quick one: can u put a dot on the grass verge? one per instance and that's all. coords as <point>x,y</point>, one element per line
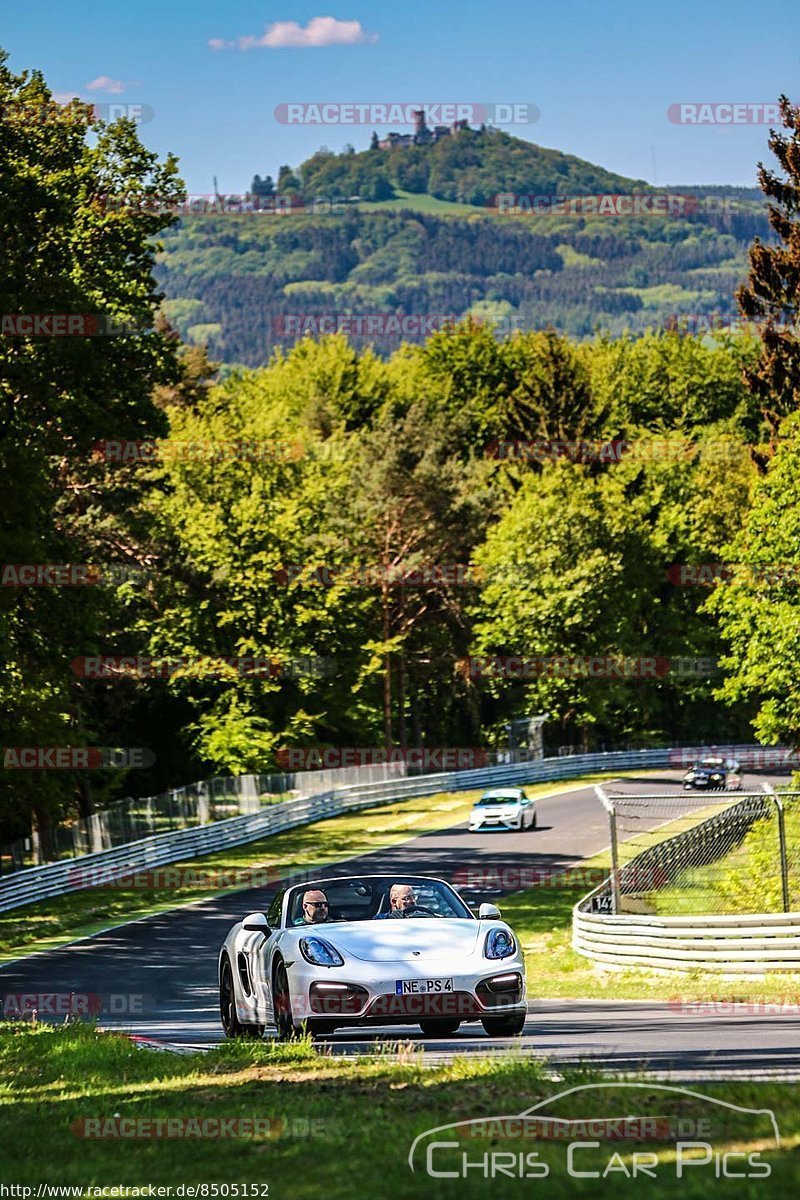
<point>335,1127</point>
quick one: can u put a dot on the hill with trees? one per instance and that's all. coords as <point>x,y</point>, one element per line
<point>418,240</point>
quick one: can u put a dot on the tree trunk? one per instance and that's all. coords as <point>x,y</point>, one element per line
<point>387,673</point>
<point>42,836</point>
<point>401,699</point>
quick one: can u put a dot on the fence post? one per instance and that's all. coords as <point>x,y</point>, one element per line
<point>608,805</point>
<point>773,795</point>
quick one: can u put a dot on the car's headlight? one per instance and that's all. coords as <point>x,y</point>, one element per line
<point>319,952</point>
<point>499,944</point>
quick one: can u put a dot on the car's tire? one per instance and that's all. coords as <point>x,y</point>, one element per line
<point>534,822</point>
<point>437,1027</point>
<point>521,823</point>
<point>507,1025</point>
<point>282,1004</point>
<point>227,1007</point>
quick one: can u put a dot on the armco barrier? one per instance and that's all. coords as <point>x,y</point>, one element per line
<point>752,944</point>
<point>55,879</point>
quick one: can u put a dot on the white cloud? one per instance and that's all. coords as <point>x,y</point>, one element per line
<point>320,31</point>
<point>104,83</point>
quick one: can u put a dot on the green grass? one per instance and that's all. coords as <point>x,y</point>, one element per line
<point>576,258</point>
<point>53,922</point>
<point>417,202</point>
<point>669,293</point>
<point>747,879</point>
<point>367,1115</point>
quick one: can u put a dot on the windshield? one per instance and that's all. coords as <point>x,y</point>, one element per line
<point>354,899</point>
<point>484,800</point>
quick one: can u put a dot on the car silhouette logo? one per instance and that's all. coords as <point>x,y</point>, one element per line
<point>417,952</point>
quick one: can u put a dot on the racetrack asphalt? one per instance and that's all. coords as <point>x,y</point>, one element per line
<point>156,977</point>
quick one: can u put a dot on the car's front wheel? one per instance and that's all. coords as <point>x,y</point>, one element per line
<point>438,1028</point>
<point>227,1007</point>
<point>282,1004</point>
<point>508,1025</point>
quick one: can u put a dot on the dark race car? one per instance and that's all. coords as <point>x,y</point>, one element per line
<point>713,774</point>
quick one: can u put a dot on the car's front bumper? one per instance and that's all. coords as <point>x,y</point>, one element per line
<point>506,822</point>
<point>347,997</point>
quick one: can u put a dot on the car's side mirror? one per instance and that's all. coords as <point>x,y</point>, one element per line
<point>256,923</point>
<point>488,912</point>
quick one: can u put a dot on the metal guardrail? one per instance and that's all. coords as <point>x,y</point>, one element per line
<point>732,945</point>
<point>58,878</point>
<point>217,799</point>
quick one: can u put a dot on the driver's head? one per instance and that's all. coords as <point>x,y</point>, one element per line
<point>402,897</point>
<point>315,906</point>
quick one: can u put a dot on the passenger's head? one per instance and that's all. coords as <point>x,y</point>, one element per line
<point>402,897</point>
<point>315,906</point>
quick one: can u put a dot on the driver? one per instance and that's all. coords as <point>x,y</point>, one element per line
<point>403,903</point>
<point>315,907</point>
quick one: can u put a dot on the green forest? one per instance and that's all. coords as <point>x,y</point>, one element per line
<point>346,515</point>
<point>407,231</point>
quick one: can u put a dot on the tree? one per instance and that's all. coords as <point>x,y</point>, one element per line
<point>262,187</point>
<point>78,225</point>
<point>772,294</point>
<point>577,567</point>
<point>373,141</point>
<point>415,504</point>
<point>288,183</point>
<point>759,608</point>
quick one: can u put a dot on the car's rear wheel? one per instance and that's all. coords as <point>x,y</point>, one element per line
<point>227,1008</point>
<point>282,1004</point>
<point>534,821</point>
<point>508,1025</point>
<point>438,1028</point>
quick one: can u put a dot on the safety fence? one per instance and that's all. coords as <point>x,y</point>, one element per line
<point>714,886</point>
<point>57,878</point>
<point>216,799</point>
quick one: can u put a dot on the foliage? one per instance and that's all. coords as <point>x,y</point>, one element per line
<point>69,248</point>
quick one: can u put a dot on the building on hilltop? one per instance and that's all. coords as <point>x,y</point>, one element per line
<point>422,135</point>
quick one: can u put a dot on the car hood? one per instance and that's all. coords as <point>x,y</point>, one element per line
<point>394,940</point>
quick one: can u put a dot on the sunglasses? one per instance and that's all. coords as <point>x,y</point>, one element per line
<point>316,904</point>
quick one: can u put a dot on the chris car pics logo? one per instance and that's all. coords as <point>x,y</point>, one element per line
<point>606,1132</point>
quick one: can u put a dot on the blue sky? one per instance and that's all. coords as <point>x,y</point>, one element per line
<point>602,73</point>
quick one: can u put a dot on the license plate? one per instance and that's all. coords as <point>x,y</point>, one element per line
<point>422,987</point>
